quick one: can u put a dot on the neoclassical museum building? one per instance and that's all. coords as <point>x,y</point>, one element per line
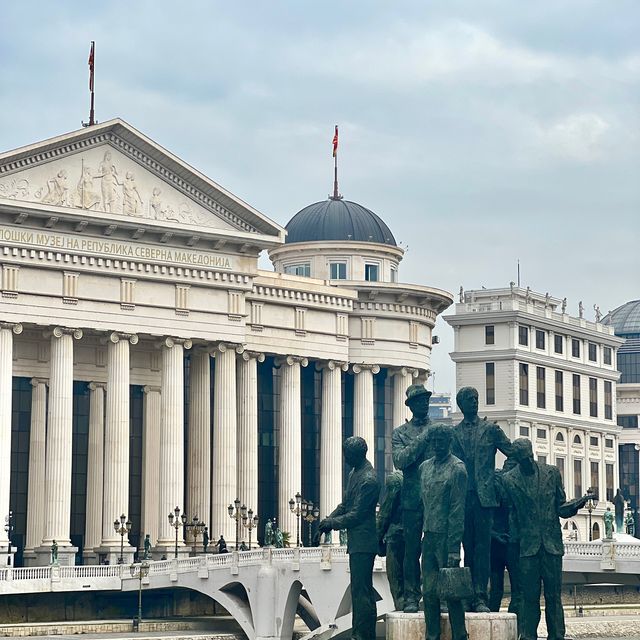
<point>146,362</point>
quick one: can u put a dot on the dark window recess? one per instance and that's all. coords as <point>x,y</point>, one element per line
<point>558,342</point>
<point>541,393</point>
<point>576,394</point>
<point>490,377</point>
<point>577,478</point>
<point>540,339</point>
<point>593,397</point>
<point>608,472</point>
<point>541,434</point>
<point>606,355</point>
<point>608,400</point>
<point>595,477</point>
<point>523,335</point>
<point>489,334</point>
<point>628,422</point>
<point>371,272</point>
<point>560,466</point>
<point>559,437</point>
<point>593,352</point>
<point>577,439</point>
<point>608,443</point>
<point>593,441</point>
<point>524,431</point>
<point>575,348</point>
<point>559,391</point>
<point>524,384</point>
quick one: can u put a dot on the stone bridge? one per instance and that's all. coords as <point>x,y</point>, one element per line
<point>265,589</point>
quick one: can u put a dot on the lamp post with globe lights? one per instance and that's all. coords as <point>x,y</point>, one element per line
<point>250,522</point>
<point>122,527</point>
<point>310,513</point>
<point>176,521</point>
<point>237,513</point>
<point>295,506</point>
<point>591,504</point>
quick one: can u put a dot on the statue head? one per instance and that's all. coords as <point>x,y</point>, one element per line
<point>523,455</point>
<point>440,439</point>
<point>354,450</point>
<point>418,400</point>
<point>509,463</point>
<point>467,400</point>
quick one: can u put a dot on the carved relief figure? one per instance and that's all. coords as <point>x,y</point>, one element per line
<point>57,190</point>
<point>86,197</point>
<point>15,189</point>
<point>131,199</point>
<point>109,177</point>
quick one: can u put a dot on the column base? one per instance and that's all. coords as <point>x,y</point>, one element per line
<point>90,556</point>
<point>66,556</point>
<point>108,554</point>
<point>480,626</point>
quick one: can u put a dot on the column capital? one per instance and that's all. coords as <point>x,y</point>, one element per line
<point>16,327</point>
<point>115,337</point>
<point>331,365</point>
<point>169,342</point>
<point>151,389</point>
<point>291,360</point>
<point>251,355</point>
<point>97,385</point>
<point>222,347</point>
<point>358,368</point>
<point>58,332</point>
<point>403,371</point>
<point>36,381</point>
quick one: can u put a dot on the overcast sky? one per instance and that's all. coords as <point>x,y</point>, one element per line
<point>480,131</point>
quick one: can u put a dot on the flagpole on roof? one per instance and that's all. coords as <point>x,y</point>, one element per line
<point>92,58</point>
<point>336,195</point>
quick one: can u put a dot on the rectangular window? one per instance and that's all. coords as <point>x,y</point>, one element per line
<point>576,394</point>
<point>577,478</point>
<point>524,431</point>
<point>542,459</point>
<point>608,400</point>
<point>541,434</point>
<point>524,384</point>
<point>593,352</point>
<point>560,465</point>
<point>523,335</point>
<point>595,477</point>
<point>541,394</point>
<point>575,348</point>
<point>489,334</point>
<point>608,443</point>
<point>608,470</point>
<point>303,269</point>
<point>606,355</point>
<point>338,270</point>
<point>628,422</point>
<point>559,391</point>
<point>371,272</point>
<point>593,397</point>
<point>490,377</point>
<point>558,342</point>
<point>593,441</point>
<point>540,339</point>
<point>394,274</point>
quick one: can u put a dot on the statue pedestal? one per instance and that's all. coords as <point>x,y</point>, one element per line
<point>480,626</point>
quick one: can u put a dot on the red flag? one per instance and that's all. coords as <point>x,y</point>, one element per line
<point>91,56</point>
<point>335,142</point>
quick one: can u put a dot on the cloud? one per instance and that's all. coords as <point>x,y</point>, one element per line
<point>578,137</point>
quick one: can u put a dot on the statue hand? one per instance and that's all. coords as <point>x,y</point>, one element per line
<point>453,560</point>
<point>583,501</point>
<point>325,525</point>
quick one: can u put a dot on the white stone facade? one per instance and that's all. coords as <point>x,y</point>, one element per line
<point>547,376</point>
<point>119,264</point>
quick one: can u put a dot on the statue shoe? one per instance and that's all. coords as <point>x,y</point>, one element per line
<point>481,607</point>
<point>411,606</point>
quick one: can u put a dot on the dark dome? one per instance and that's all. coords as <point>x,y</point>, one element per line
<point>625,320</point>
<point>338,220</point>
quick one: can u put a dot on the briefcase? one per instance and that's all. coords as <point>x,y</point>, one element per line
<point>454,583</point>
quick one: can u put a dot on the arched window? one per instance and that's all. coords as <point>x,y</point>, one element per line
<point>577,439</point>
<point>559,437</point>
<point>596,531</point>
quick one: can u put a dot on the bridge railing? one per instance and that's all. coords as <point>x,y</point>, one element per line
<point>583,550</point>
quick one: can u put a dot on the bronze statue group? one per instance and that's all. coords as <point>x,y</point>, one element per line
<point>447,494</point>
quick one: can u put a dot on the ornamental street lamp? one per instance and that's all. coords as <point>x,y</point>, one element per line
<point>197,528</point>
<point>310,514</point>
<point>123,527</point>
<point>143,571</point>
<point>176,521</point>
<point>237,513</point>
<point>296,509</point>
<point>250,522</point>
<point>591,504</point>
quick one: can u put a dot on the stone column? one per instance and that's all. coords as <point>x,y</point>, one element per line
<point>402,379</point>
<point>37,444</point>
<point>115,499</point>
<point>57,484</point>
<point>199,440</point>
<point>171,468</point>
<point>331,436</point>
<point>151,464</point>
<point>225,445</point>
<point>247,376</point>
<point>290,441</point>
<point>95,471</point>
<point>6,373</point>
<point>363,424</point>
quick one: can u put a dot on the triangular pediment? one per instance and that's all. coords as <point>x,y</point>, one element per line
<point>114,171</point>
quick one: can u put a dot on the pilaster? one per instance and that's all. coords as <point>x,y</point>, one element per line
<point>363,416</point>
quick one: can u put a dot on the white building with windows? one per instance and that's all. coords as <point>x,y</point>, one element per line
<point>547,376</point>
<point>146,362</point>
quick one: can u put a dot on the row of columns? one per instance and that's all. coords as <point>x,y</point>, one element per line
<point>233,472</point>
